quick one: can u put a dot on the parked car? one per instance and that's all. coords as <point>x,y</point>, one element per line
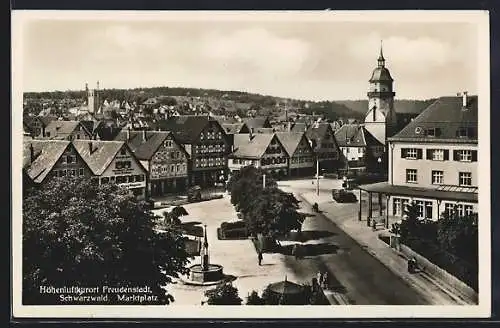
<point>343,196</point>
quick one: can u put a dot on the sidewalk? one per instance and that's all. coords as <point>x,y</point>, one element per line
<point>346,220</point>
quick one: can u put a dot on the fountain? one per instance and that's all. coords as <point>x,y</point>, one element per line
<point>205,273</point>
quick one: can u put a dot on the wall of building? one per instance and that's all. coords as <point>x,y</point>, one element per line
<point>169,161</point>
<point>424,167</point>
<point>71,164</point>
<point>303,157</point>
<point>125,170</point>
<point>437,207</point>
<point>210,150</point>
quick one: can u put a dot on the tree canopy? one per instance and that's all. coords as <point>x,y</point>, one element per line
<point>223,294</point>
<point>79,233</point>
<point>265,210</point>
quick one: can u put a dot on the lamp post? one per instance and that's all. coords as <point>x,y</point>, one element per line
<point>317,176</point>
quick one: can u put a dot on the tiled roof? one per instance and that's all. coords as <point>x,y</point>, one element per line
<point>447,115</point>
<point>355,135</point>
<point>185,128</point>
<point>317,130</point>
<point>232,128</point>
<point>246,147</point>
<point>264,130</point>
<point>350,135</point>
<point>46,154</point>
<point>290,140</point>
<point>47,119</point>
<point>299,127</point>
<point>257,122</point>
<point>144,150</point>
<point>61,129</point>
<point>103,153</point>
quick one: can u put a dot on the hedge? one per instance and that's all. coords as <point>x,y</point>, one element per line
<point>459,268</point>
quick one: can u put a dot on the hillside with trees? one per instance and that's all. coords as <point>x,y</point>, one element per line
<point>401,105</point>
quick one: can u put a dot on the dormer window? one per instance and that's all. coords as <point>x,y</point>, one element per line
<point>462,133</point>
<point>466,132</point>
<point>433,132</point>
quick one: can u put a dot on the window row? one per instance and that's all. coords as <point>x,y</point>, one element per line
<point>274,150</point>
<point>437,177</point>
<point>123,179</point>
<point>173,168</point>
<point>426,208</point>
<point>460,155</point>
<point>209,162</point>
<point>121,165</point>
<point>245,161</point>
<point>68,159</point>
<point>273,160</point>
<point>218,148</point>
<point>210,135</point>
<point>297,160</point>
<point>69,172</point>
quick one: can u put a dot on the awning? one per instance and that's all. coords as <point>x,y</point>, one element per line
<point>394,190</point>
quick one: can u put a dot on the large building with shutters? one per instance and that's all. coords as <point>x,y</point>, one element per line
<point>433,161</point>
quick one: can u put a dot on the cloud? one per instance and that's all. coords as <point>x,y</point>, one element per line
<point>255,50</point>
<point>407,55</point>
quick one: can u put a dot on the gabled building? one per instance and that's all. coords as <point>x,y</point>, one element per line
<point>261,150</point>
<point>66,130</point>
<point>433,161</point>
<point>207,144</point>
<point>38,124</point>
<point>257,122</point>
<point>113,162</point>
<point>165,160</point>
<point>300,153</point>
<point>324,144</point>
<point>361,151</point>
<point>45,159</point>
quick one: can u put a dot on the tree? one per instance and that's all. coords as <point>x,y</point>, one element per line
<point>223,294</point>
<point>255,299</point>
<point>79,233</point>
<point>459,235</point>
<point>273,212</point>
<point>246,183</point>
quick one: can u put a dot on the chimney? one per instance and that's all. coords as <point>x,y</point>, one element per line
<point>143,135</point>
<point>128,133</point>
<point>464,99</point>
<point>250,135</point>
<point>90,147</point>
<point>86,87</point>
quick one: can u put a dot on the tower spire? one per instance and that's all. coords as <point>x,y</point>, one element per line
<point>381,59</point>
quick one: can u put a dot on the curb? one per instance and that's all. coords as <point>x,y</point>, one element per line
<point>405,278</point>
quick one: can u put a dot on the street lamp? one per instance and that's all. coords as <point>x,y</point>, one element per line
<point>379,161</point>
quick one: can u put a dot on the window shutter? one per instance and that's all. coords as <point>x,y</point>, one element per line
<point>438,132</point>
<point>474,155</point>
<point>429,154</point>
<point>446,154</point>
<point>403,152</point>
<point>455,155</point>
<point>419,153</point>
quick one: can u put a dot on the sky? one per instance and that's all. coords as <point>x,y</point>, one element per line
<point>309,60</point>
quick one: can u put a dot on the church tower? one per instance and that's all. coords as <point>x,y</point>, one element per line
<point>92,98</point>
<point>380,119</point>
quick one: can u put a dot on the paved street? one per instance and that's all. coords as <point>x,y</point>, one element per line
<point>356,276</point>
<point>352,270</point>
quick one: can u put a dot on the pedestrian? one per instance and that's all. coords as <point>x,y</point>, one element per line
<point>319,276</point>
<point>260,257</point>
<point>325,280</point>
<point>295,251</point>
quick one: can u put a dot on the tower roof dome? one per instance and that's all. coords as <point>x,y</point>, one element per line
<point>381,74</point>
